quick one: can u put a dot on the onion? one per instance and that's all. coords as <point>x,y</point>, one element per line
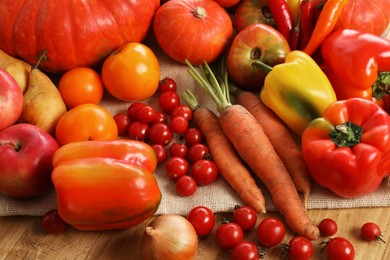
<point>169,236</point>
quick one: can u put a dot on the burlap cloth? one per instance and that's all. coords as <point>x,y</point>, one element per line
<point>219,196</point>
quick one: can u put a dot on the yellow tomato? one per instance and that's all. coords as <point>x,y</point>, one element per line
<point>86,122</point>
<point>81,85</point>
<point>131,73</point>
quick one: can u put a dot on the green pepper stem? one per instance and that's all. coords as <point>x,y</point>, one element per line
<point>346,134</point>
<point>382,85</point>
<point>259,64</point>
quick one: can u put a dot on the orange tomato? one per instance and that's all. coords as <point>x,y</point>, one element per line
<point>131,73</point>
<point>81,85</point>
<point>86,122</point>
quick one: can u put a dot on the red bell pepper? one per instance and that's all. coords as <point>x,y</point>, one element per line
<point>347,150</point>
<point>105,184</point>
<point>357,64</point>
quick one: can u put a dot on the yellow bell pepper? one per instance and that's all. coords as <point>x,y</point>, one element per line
<point>297,90</point>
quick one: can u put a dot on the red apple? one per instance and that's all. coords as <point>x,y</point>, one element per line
<point>11,100</point>
<point>26,161</point>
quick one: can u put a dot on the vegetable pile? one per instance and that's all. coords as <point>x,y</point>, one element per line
<point>300,96</point>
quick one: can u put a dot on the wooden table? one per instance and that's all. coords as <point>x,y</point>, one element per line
<point>22,237</point>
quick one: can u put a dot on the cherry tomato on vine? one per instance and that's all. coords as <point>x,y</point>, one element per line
<point>122,121</point>
<point>371,232</point>
<point>197,152</point>
<point>300,248</point>
<point>176,167</point>
<point>245,217</point>
<point>202,219</point>
<point>161,152</point>
<point>168,100</point>
<point>244,250</point>
<point>182,110</point>
<point>192,136</point>
<point>204,172</point>
<point>178,150</point>
<point>133,109</point>
<point>86,122</point>
<point>123,77</point>
<point>179,124</point>
<point>228,235</point>
<point>328,227</point>
<point>166,84</point>
<point>339,248</point>
<point>160,133</point>
<point>186,186</point>
<point>160,118</point>
<point>146,114</point>
<point>53,223</point>
<point>81,85</point>
<point>139,131</point>
<point>270,232</point>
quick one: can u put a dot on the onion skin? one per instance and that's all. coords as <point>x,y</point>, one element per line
<point>169,236</point>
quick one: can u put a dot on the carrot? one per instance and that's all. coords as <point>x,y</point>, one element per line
<point>282,140</point>
<point>254,147</point>
<point>231,169</point>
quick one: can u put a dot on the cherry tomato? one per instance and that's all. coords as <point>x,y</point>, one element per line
<point>79,86</point>
<point>168,100</point>
<point>270,232</point>
<point>204,172</point>
<point>192,136</point>
<point>339,248</point>
<point>371,232</point>
<point>300,248</point>
<point>179,124</point>
<point>122,121</point>
<point>202,219</point>
<point>182,110</point>
<point>186,186</point>
<point>160,118</point>
<point>245,217</point>
<point>132,72</point>
<point>197,152</point>
<point>228,235</point>
<point>166,84</point>
<point>328,227</point>
<point>244,250</point>
<point>53,223</point>
<point>176,167</point>
<point>178,150</point>
<point>161,152</point>
<point>133,109</point>
<point>146,114</point>
<point>160,133</point>
<point>139,131</point>
<point>86,122</point>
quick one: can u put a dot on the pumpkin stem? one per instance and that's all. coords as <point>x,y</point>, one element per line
<point>199,12</point>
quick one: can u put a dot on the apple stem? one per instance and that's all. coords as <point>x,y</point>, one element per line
<point>12,144</point>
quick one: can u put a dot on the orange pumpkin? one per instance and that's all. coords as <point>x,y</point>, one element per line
<point>73,33</point>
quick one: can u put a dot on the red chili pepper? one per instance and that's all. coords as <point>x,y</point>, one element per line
<point>307,22</point>
<point>282,16</point>
<point>295,35</point>
<point>325,24</point>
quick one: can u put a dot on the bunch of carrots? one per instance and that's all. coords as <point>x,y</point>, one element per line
<point>247,133</point>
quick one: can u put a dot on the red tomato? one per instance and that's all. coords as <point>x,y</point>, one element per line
<point>245,250</point>
<point>270,232</point>
<point>202,219</point>
<point>176,167</point>
<point>186,186</point>
<point>86,122</point>
<point>300,248</point>
<point>81,85</point>
<point>245,217</point>
<point>132,72</point>
<point>340,248</point>
<point>53,223</point>
<point>228,235</point>
<point>327,227</point>
<point>204,172</point>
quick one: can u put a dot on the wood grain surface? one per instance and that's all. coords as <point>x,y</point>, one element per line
<point>22,237</point>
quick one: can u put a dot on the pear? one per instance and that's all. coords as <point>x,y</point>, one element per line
<point>18,69</point>
<point>43,105</point>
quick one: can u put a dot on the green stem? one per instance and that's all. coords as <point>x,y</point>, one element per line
<point>346,134</point>
<point>190,99</point>
<point>259,64</point>
<point>382,85</point>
